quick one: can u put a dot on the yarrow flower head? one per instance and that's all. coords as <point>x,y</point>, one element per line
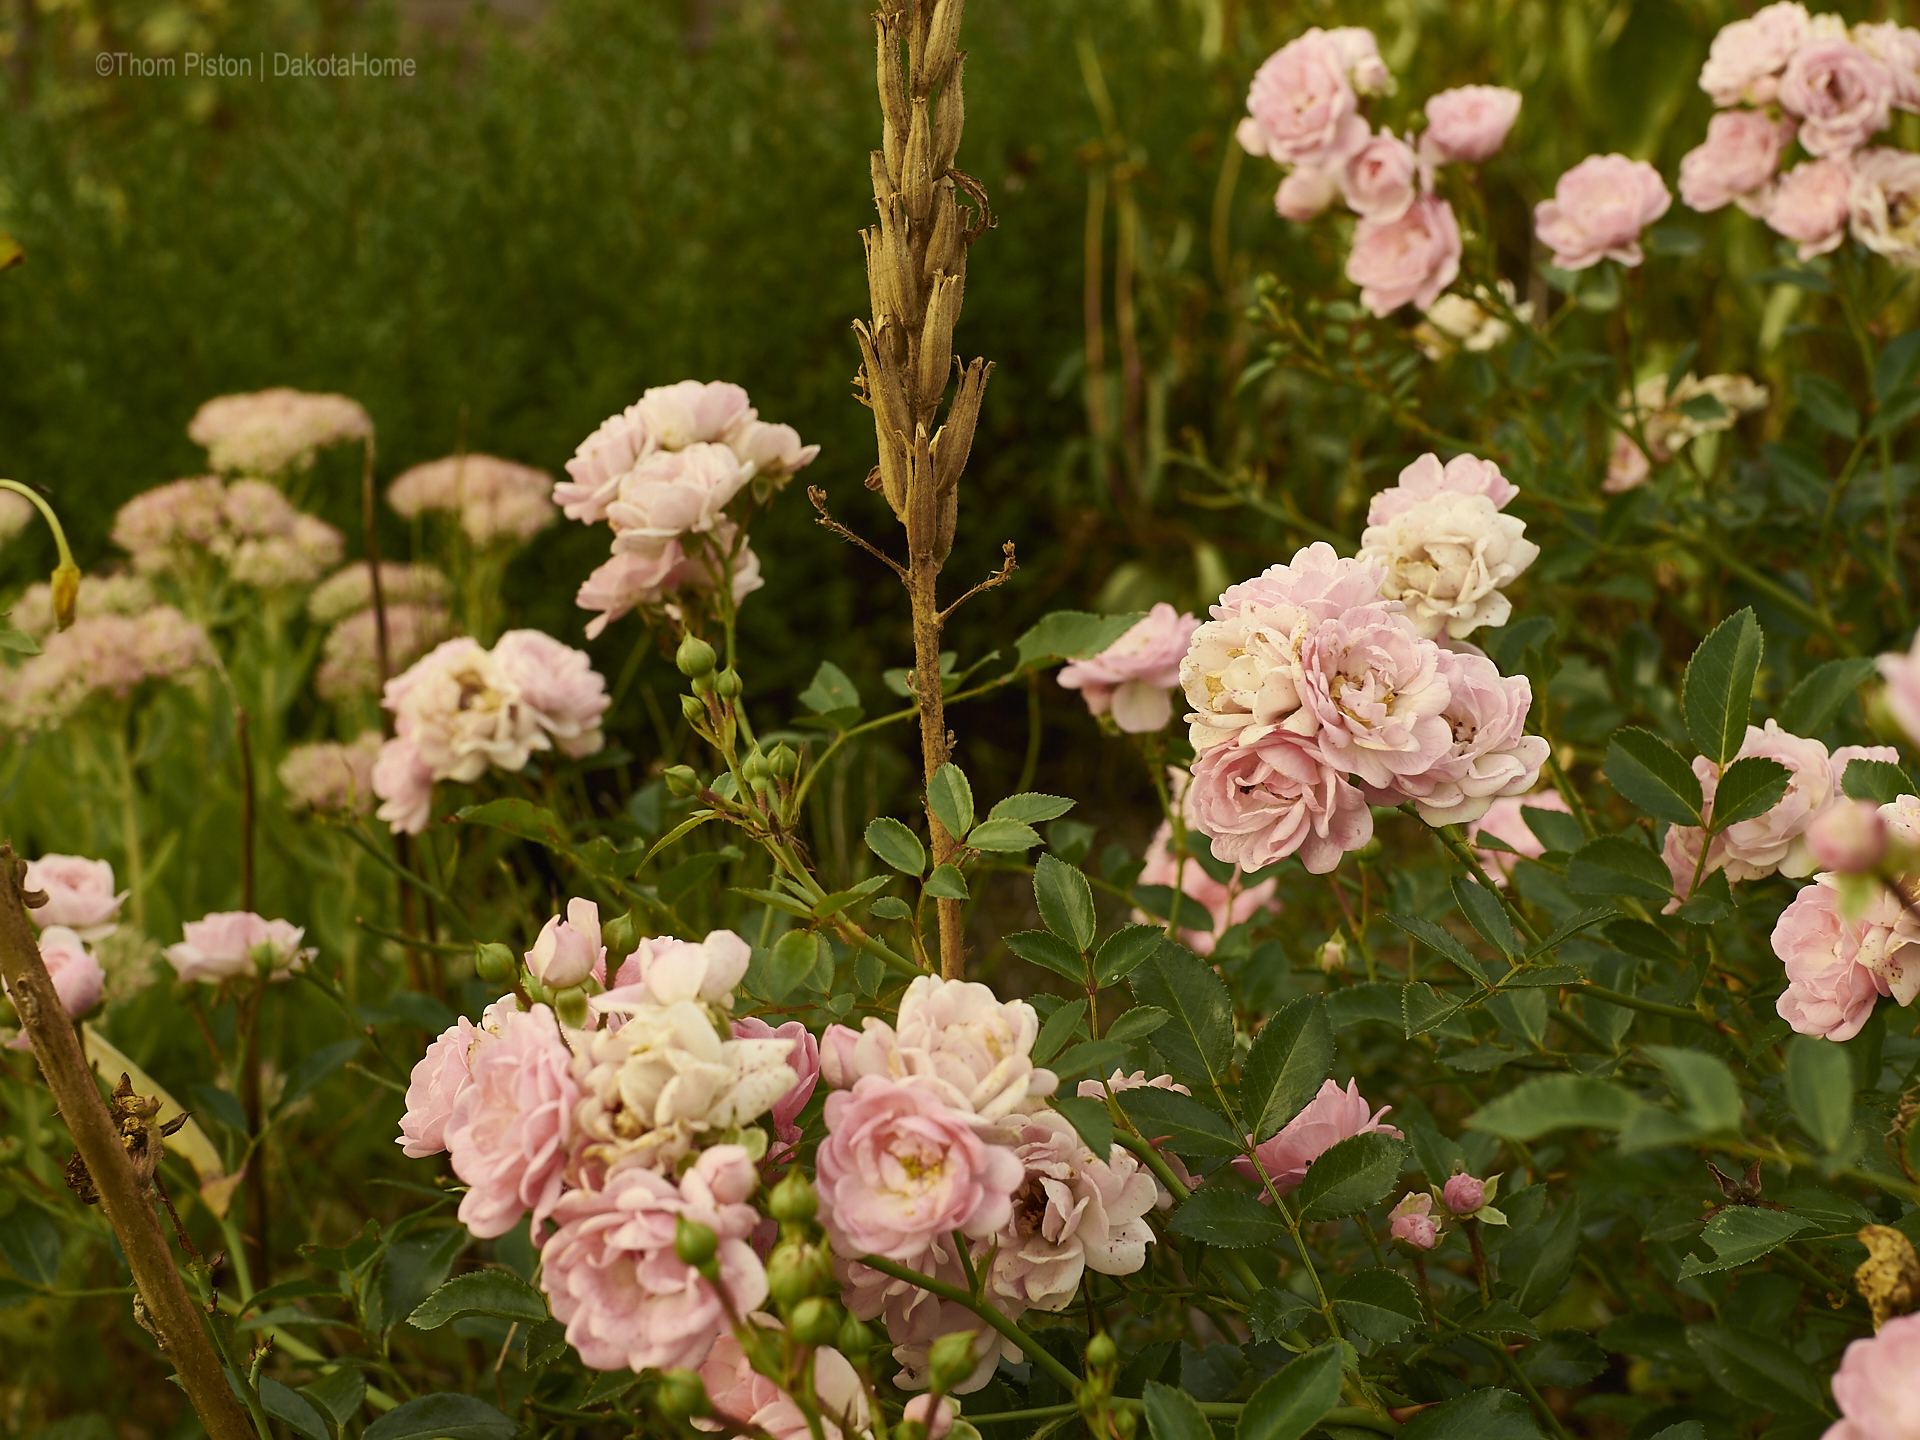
<point>249,527</point>
<point>332,777</point>
<point>110,593</point>
<point>270,432</point>
<point>496,501</point>
<point>1131,678</point>
<point>350,654</point>
<point>108,655</point>
<point>349,590</point>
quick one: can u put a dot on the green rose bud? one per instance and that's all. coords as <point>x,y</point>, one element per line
<point>682,1395</point>
<point>950,1361</point>
<point>620,935</point>
<point>855,1340</point>
<point>1101,1351</point>
<point>694,1243</point>
<point>797,1270</point>
<point>570,1005</point>
<point>694,657</point>
<point>694,709</point>
<point>682,780</point>
<point>814,1321</point>
<point>495,963</point>
<point>783,763</point>
<point>793,1200</point>
<point>727,684</point>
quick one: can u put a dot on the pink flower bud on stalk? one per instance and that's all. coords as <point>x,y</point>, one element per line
<point>1471,1198</point>
<point>1848,838</point>
<point>1412,1221</point>
<point>65,581</point>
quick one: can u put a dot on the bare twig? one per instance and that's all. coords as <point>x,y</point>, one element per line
<point>819,499</point>
<point>999,577</point>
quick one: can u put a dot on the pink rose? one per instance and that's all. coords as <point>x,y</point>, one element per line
<point>1736,162</point>
<point>1373,696</point>
<point>743,1395</point>
<point>1119,1081</point>
<point>1304,104</point>
<point>1598,210</point>
<point>691,413</point>
<point>1849,836</point>
<point>1406,261</point>
<point>436,1082</point>
<point>599,463</point>
<point>560,685</point>
<point>1627,466</point>
<point>1874,1386</point>
<point>1316,580</point>
<point>1378,179</point>
<point>1491,754</point>
<point>611,1274</point>
<point>1746,58</point>
<point>229,944</point>
<point>79,893</point>
<point>76,975</point>
<point>899,1170</point>
<point>1463,1194</point>
<point>1468,123</point>
<point>1843,96</point>
<point>1898,48</point>
<point>1227,904</point>
<point>1883,203</point>
<point>1829,993</point>
<point>804,1057</point>
<point>673,493</point>
<point>664,970</point>
<point>1810,205</point>
<point>1413,1220</point>
<point>510,1128</point>
<point>404,784</point>
<point>1330,1117</point>
<point>1427,479</point>
<point>1305,193</point>
<point>1504,821</point>
<point>839,1065</point>
<point>1775,840</point>
<point>1261,803</point>
<point>568,951</point>
<point>1902,674</point>
<point>1131,678</point>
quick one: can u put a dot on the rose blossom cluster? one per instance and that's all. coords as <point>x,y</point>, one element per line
<point>414,597</point>
<point>273,431</point>
<point>1464,1197</point>
<point>496,501</point>
<point>1313,695</point>
<point>1783,76</point>
<point>939,1134</point>
<point>81,908</point>
<point>1598,210</point>
<point>1777,840</point>
<point>249,527</point>
<point>1841,955</point>
<point>1227,902</point>
<point>462,708</point>
<point>233,944</point>
<point>1668,426</point>
<point>1303,110</point>
<point>108,655</point>
<point>1132,679</point>
<point>1447,548</point>
<point>609,1136</point>
<point>661,473</point>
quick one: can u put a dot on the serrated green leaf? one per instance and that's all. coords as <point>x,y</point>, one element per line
<point>1380,1304</point>
<point>1065,900</point>
<point>1182,1123</point>
<point>1350,1176</point>
<point>946,883</point>
<point>18,642</point>
<point>1003,836</point>
<point>1477,1415</point>
<point>830,690</point>
<point>315,1069</point>
<point>1615,865</point>
<point>1827,404</point>
<point>1742,1233</point>
<point>1231,1219</point>
<point>340,1392</point>
<point>1198,1041</point>
<point>1565,1358</point>
<point>950,797</point>
<point>1291,1055</point>
<point>1122,952</point>
<point>1276,1312</point>
<point>1717,694</point>
<point>483,1292</point>
<point>1439,941</point>
<point>292,1409</point>
<point>1096,1057</point>
<point>1554,829</point>
<point>1814,704</point>
<point>1040,948</point>
<point>898,846</point>
<point>1756,1369</point>
<point>1423,1008</point>
<point>1705,1087</point>
<point>1173,1414</point>
<point>1059,1028</point>
<point>1137,1023</point>
<point>1651,774</point>
<point>1487,916</point>
<point>1071,635</point>
<point>443,1417</point>
<point>792,960</point>
<point>1091,1119</point>
<point>1031,808</point>
<point>1555,1102</point>
<point>1291,1403</point>
<point>1537,1258</point>
<point>1894,369</point>
<point>1748,787</point>
<point>518,817</point>
<point>1820,1090</point>
<point>1880,781</point>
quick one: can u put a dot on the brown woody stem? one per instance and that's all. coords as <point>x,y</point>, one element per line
<point>175,1319</point>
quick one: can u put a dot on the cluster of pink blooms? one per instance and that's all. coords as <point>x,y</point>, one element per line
<point>1304,111</point>
<point>462,708</point>
<point>1777,841</point>
<point>1133,678</point>
<point>1667,425</point>
<point>108,593</point>
<point>661,473</point>
<point>939,1134</point>
<point>415,600</point>
<point>248,526</point>
<point>495,500</point>
<point>108,655</point>
<point>329,776</point>
<point>1313,696</point>
<point>273,431</point>
<point>1784,76</point>
<point>1598,210</point>
<point>81,907</point>
<point>1874,1386</point>
<point>1463,1197</point>
<point>1227,902</point>
<point>232,944</point>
